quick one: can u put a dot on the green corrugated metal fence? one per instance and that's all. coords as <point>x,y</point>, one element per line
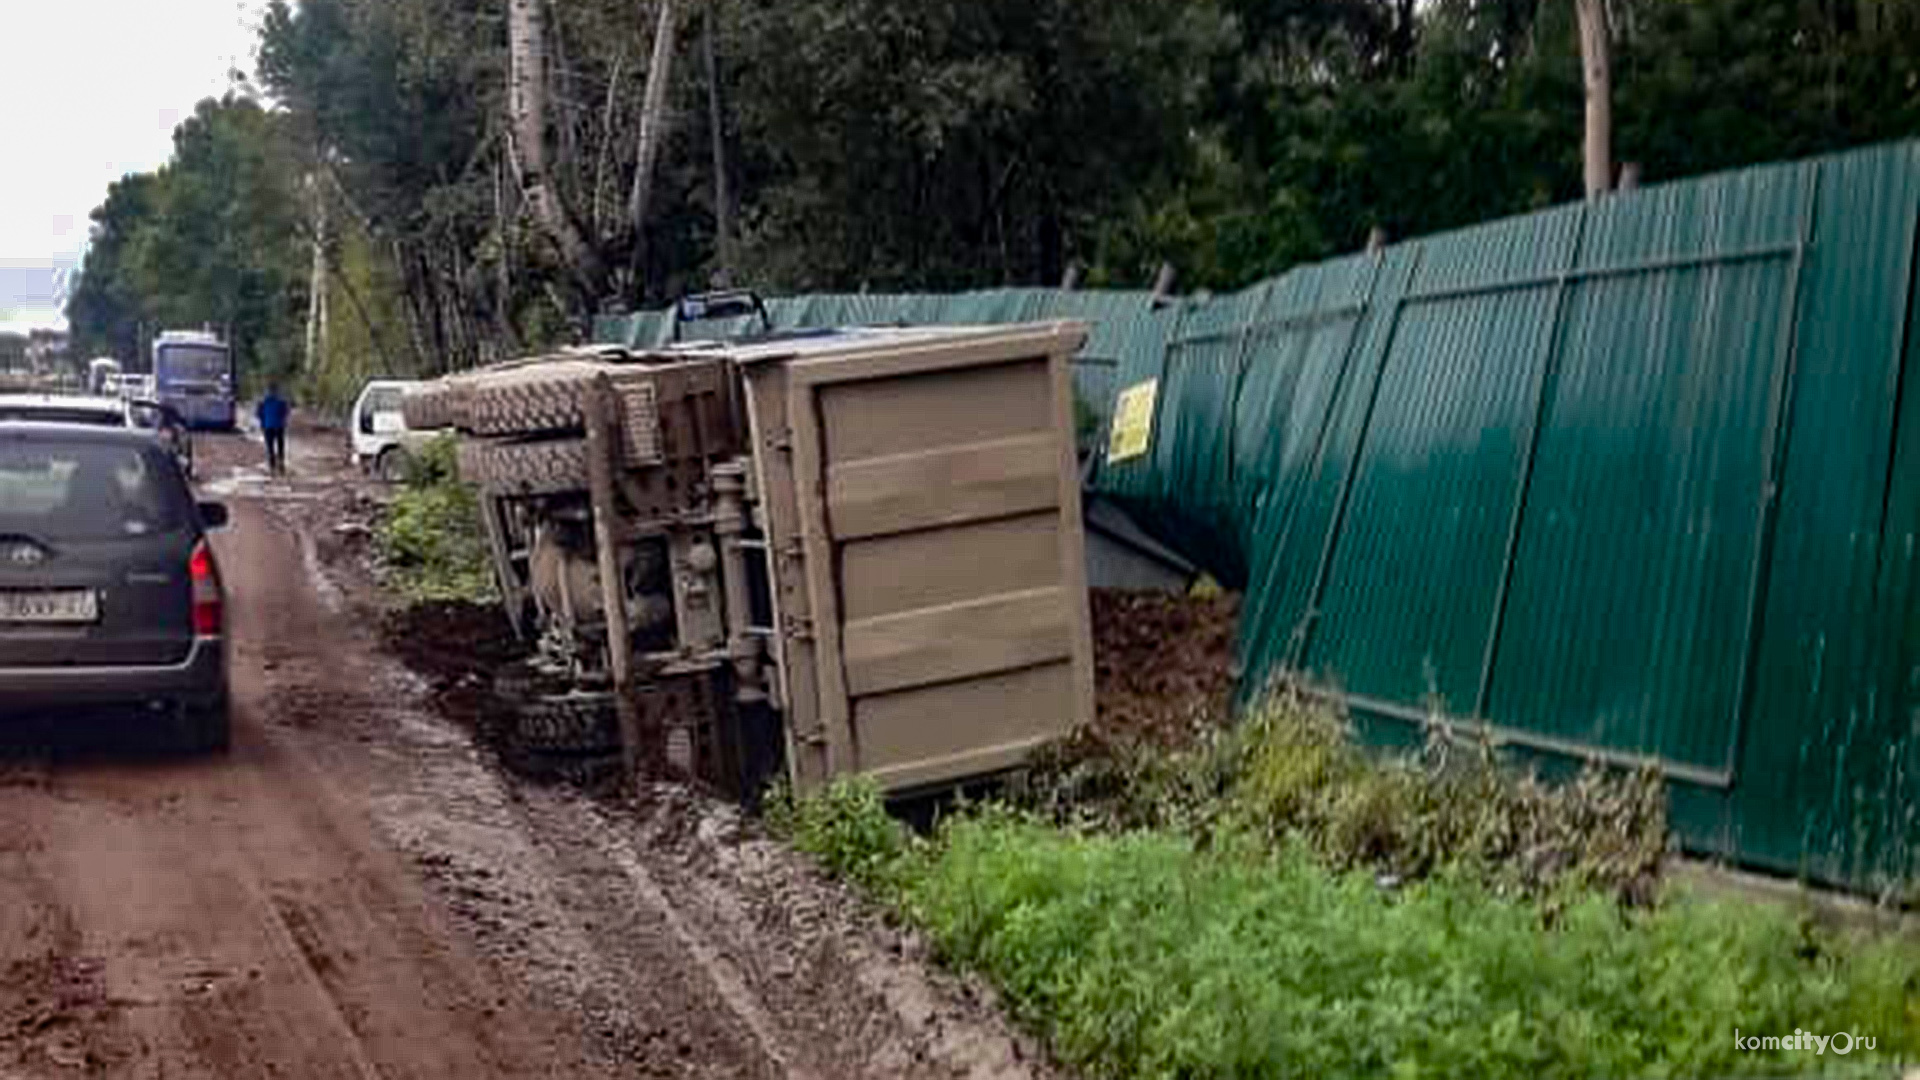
<point>1637,479</point>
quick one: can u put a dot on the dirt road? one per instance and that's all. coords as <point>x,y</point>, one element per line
<point>357,891</point>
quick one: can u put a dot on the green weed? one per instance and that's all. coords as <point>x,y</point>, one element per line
<point>1274,901</point>
<point>846,828</point>
<point>429,541</point>
<point>1140,954</point>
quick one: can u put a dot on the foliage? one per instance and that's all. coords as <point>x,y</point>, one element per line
<point>917,144</point>
<point>1142,955</point>
<point>935,145</point>
<point>212,238</point>
<point>430,542</point>
<point>1302,776</point>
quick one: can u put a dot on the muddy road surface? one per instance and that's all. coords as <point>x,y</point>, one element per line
<point>356,890</point>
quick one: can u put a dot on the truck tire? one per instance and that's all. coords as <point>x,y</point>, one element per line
<point>548,467</point>
<point>567,724</point>
<point>429,406</point>
<point>531,403</point>
<point>591,772</point>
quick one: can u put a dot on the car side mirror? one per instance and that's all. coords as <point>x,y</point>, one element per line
<point>366,423</point>
<point>213,515</point>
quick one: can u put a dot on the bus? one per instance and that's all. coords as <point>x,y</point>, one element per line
<point>193,371</point>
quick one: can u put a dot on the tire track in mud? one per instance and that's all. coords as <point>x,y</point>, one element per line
<point>359,891</point>
<point>681,960</point>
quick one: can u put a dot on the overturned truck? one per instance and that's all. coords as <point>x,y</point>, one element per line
<point>823,553</point>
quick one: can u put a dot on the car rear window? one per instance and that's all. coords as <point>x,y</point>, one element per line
<point>86,491</point>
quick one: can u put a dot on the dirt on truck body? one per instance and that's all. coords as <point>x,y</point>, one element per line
<point>855,551</point>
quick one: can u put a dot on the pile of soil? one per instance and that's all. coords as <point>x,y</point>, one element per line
<point>1164,666</point>
<point>457,647</point>
<point>350,540</point>
<point>450,640</point>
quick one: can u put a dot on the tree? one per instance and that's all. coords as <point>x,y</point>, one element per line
<point>527,104</point>
<point>653,117</point>
<point>214,237</point>
<point>493,171</point>
<point>939,144</point>
<point>105,307</point>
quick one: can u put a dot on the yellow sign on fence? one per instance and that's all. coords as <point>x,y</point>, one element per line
<point>1132,421</point>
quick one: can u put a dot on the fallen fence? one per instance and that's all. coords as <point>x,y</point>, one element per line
<point>1634,480</point>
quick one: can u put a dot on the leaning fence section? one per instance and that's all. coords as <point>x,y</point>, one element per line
<point>1634,481</point>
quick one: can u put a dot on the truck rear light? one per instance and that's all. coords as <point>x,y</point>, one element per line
<point>207,608</point>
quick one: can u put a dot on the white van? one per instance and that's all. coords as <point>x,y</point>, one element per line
<point>383,444</point>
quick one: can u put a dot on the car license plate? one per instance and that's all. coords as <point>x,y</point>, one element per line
<point>50,606</point>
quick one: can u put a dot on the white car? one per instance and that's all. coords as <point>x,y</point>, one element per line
<point>65,409</point>
<point>383,444</point>
<point>118,412</point>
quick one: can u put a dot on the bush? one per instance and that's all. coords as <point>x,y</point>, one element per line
<point>430,541</point>
<point>1291,770</point>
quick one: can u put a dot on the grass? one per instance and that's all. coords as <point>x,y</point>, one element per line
<point>1276,903</point>
<point>430,543</point>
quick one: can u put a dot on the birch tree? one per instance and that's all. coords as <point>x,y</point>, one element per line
<point>527,108</point>
<point>652,120</point>
<point>1596,67</point>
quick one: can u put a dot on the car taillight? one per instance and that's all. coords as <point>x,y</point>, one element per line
<point>207,613</point>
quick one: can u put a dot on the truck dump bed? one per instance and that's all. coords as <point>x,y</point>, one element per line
<point>930,486</point>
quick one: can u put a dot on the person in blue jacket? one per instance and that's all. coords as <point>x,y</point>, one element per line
<point>272,413</point>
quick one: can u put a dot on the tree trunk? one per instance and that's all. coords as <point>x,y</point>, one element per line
<point>652,121</point>
<point>527,106</point>
<point>599,219</point>
<point>317,278</point>
<point>722,199</point>
<point>1596,63</point>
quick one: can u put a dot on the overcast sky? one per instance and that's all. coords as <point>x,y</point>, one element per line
<point>90,90</point>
